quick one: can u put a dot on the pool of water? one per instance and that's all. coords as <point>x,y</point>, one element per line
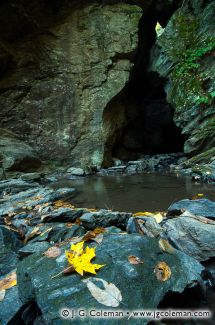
<point>145,192</point>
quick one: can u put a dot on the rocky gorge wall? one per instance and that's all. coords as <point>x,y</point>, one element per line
<point>184,54</point>
<point>56,81</point>
<point>63,62</point>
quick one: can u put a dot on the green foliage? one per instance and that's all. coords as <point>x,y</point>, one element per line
<point>189,61</point>
<point>202,100</point>
<point>212,94</point>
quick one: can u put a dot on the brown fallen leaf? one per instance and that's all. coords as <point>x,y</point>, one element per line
<point>96,235</point>
<point>8,282</point>
<point>98,239</point>
<point>89,235</point>
<point>52,252</point>
<point>78,221</point>
<point>99,230</point>
<point>162,271</point>
<point>165,246</point>
<point>134,260</point>
<point>69,225</point>
<point>63,204</point>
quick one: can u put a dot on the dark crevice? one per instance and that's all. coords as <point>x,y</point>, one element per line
<point>139,120</point>
<point>28,314</point>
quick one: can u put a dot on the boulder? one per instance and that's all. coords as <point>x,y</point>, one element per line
<point>138,284</point>
<point>201,207</point>
<point>105,218</point>
<point>33,197</point>
<point>10,307</point>
<point>9,246</point>
<point>193,237</point>
<point>12,186</point>
<point>17,155</point>
<point>63,215</point>
<point>76,171</point>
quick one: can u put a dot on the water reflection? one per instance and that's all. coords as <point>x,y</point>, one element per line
<point>135,193</point>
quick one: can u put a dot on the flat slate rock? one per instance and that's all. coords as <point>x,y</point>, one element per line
<point>10,307</point>
<point>63,215</point>
<point>202,207</point>
<point>34,197</point>
<point>9,245</point>
<point>105,218</point>
<point>138,284</point>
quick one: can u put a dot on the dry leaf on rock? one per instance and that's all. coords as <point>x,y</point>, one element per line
<point>139,214</point>
<point>162,271</point>
<point>63,204</point>
<point>80,258</point>
<point>2,294</point>
<point>45,231</point>
<point>89,235</point>
<point>165,246</point>
<point>94,235</point>
<point>134,260</point>
<point>34,232</point>
<point>8,282</point>
<point>158,217</point>
<point>98,239</point>
<point>52,252</point>
<point>109,296</point>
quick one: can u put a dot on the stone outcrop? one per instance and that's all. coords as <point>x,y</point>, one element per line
<point>184,55</point>
<point>16,155</point>
<point>60,71</point>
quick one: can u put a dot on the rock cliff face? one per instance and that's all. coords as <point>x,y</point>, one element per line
<point>184,55</point>
<point>74,82</point>
<point>59,72</point>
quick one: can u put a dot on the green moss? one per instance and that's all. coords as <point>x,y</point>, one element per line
<point>207,131</point>
<point>204,157</point>
<point>187,50</point>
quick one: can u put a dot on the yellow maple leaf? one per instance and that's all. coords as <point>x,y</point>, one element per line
<point>80,258</point>
<point>138,214</point>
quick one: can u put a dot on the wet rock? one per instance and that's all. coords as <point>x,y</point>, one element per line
<point>34,197</point>
<point>105,218</point>
<point>61,232</point>
<point>31,176</point>
<point>152,163</point>
<point>76,171</point>
<point>10,307</point>
<point>63,215</point>
<point>144,225</point>
<point>202,207</point>
<point>113,229</point>
<point>16,186</point>
<point>137,283</point>
<point>9,246</point>
<point>193,237</point>
<point>33,247</point>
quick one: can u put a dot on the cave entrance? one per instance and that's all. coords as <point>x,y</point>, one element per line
<point>139,120</point>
